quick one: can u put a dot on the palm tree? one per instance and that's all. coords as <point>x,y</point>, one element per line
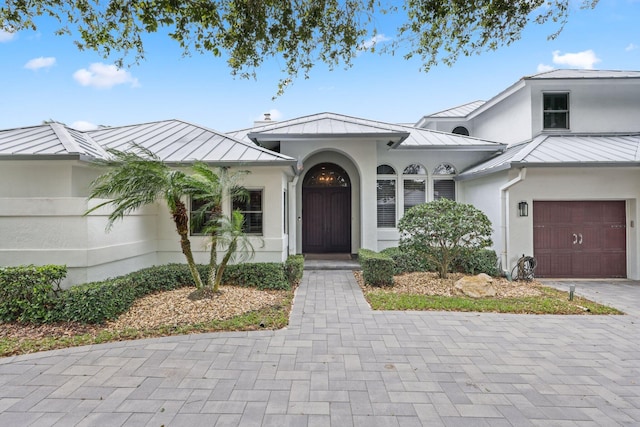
<point>210,186</point>
<point>230,233</point>
<point>137,178</point>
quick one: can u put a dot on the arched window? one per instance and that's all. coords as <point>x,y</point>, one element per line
<point>460,130</point>
<point>414,186</point>
<point>444,187</point>
<point>386,196</point>
<point>326,175</point>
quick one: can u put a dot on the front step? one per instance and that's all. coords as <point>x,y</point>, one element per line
<point>330,262</point>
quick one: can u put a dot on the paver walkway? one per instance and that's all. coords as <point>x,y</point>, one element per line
<point>341,364</point>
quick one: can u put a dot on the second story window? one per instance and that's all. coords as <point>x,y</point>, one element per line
<point>555,111</point>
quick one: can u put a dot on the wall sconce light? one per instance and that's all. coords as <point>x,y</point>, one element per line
<point>523,209</point>
<point>299,166</point>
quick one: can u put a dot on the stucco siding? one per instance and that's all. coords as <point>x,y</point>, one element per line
<point>567,184</point>
<point>507,121</point>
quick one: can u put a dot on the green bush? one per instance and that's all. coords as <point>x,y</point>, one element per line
<point>477,261</point>
<point>294,268</point>
<point>161,278</point>
<point>377,269</point>
<point>96,302</point>
<point>28,293</point>
<point>262,275</point>
<point>441,230</point>
<point>408,262</point>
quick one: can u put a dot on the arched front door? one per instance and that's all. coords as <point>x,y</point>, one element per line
<point>326,210</point>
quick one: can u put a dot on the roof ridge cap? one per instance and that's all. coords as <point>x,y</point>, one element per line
<point>65,138</point>
<point>533,144</point>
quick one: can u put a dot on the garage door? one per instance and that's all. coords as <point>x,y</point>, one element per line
<point>580,239</point>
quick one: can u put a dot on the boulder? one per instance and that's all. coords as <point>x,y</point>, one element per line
<point>479,286</point>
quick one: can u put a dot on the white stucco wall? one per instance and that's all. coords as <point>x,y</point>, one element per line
<point>42,206</point>
<point>506,121</point>
<point>559,184</point>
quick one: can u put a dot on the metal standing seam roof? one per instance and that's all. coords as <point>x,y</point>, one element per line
<point>48,140</point>
<point>459,112</point>
<point>564,150</point>
<point>324,125</point>
<point>332,125</point>
<point>177,141</point>
<point>584,74</point>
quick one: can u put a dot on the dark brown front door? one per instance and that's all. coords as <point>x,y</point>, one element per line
<point>580,239</point>
<point>326,210</point>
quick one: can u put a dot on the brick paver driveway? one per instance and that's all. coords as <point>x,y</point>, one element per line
<point>341,364</point>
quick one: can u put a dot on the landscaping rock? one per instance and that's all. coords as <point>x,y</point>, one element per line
<point>479,286</point>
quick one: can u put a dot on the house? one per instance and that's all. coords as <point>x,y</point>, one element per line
<point>552,160</point>
<point>572,167</point>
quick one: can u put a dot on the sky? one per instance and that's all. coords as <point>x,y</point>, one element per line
<point>45,77</point>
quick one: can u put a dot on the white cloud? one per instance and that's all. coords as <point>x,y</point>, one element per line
<point>378,38</point>
<point>543,68</point>
<point>6,36</point>
<point>83,126</point>
<point>631,47</point>
<point>585,59</point>
<point>38,63</point>
<point>104,76</point>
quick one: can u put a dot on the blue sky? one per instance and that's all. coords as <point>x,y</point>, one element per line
<point>45,77</point>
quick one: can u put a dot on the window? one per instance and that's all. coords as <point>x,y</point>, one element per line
<point>197,222</point>
<point>460,130</point>
<point>444,187</point>
<point>555,111</point>
<point>386,196</point>
<point>415,188</point>
<point>251,208</point>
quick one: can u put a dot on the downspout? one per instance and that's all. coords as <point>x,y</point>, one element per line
<point>504,209</point>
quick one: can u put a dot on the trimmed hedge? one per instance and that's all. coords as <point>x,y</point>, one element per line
<point>294,268</point>
<point>29,293</point>
<point>474,261</point>
<point>407,262</point>
<point>263,275</point>
<point>377,269</point>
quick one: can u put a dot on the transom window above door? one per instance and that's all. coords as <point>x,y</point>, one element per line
<point>327,175</point>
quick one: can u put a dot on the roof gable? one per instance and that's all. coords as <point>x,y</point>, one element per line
<point>327,125</point>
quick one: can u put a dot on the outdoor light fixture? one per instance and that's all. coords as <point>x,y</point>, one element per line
<point>523,209</point>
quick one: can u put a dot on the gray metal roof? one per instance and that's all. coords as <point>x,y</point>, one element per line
<point>331,125</point>
<point>461,111</point>
<point>174,141</point>
<point>585,74</point>
<point>326,125</point>
<point>564,150</point>
<point>420,138</point>
<point>177,141</point>
<point>50,140</point>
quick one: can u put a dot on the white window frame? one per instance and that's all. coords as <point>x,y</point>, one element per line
<point>567,111</point>
<point>388,177</point>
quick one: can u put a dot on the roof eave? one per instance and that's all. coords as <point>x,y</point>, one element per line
<point>231,163</point>
<point>468,176</point>
<point>258,136</point>
<point>72,156</point>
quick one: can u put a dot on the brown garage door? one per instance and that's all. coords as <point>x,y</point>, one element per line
<point>580,239</point>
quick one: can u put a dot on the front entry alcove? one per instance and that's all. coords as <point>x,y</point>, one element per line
<point>326,210</point>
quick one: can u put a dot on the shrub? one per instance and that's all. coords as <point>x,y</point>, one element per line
<point>161,278</point>
<point>377,269</point>
<point>263,275</point>
<point>29,293</point>
<point>477,261</point>
<point>96,302</point>
<point>441,230</point>
<point>408,262</point>
<point>294,268</point>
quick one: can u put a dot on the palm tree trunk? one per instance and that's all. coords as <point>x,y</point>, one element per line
<point>181,220</point>
<point>223,265</point>
<point>212,283</point>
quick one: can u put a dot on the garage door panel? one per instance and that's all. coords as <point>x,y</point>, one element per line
<point>580,238</point>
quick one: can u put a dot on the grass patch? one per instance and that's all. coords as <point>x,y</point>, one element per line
<point>552,301</point>
<point>269,318</point>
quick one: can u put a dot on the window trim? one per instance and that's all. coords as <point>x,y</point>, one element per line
<point>566,112</point>
<point>424,177</point>
<point>261,211</point>
<point>388,177</point>
<point>444,177</point>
